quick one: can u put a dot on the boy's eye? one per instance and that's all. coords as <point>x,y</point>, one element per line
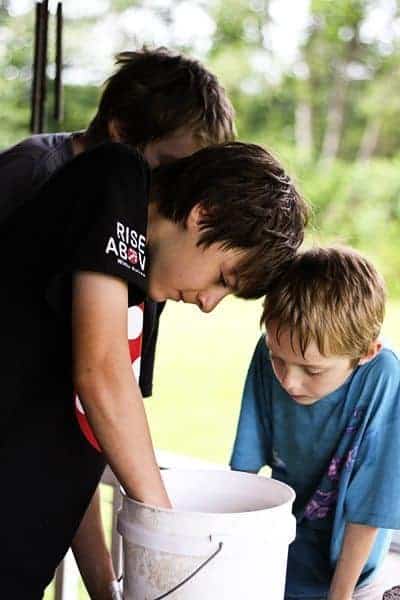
<point>275,359</point>
<point>313,373</point>
<point>222,281</point>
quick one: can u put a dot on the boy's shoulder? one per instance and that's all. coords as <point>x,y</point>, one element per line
<point>380,378</point>
<point>37,145</point>
<point>115,159</point>
<point>386,362</point>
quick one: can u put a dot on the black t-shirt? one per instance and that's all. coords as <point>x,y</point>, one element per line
<point>98,223</point>
<point>24,168</point>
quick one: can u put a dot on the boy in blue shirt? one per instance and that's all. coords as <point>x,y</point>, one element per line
<point>321,407</point>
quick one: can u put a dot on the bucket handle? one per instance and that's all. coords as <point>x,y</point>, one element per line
<point>193,574</point>
<point>140,535</point>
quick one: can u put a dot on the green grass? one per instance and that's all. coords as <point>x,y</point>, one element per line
<point>201,365</point>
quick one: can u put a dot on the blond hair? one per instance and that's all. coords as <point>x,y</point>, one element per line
<point>332,296</point>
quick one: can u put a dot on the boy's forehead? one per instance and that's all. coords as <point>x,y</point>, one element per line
<point>183,140</point>
<point>282,344</point>
<point>230,267</point>
<point>173,146</point>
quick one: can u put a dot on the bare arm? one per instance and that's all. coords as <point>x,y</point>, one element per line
<point>106,385</point>
<point>357,544</point>
<point>91,553</point>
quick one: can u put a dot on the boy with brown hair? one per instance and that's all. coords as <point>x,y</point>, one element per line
<point>168,106</point>
<point>163,103</point>
<point>98,239</point>
<point>321,408</point>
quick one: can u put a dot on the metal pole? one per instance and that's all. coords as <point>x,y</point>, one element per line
<point>58,91</point>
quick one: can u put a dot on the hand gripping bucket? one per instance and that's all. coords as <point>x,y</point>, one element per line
<point>226,537</point>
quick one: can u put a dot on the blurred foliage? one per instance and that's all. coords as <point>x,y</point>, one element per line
<point>332,115</point>
<point>354,203</point>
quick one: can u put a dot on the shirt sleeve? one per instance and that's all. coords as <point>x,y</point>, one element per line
<point>111,216</point>
<point>251,449</point>
<point>374,490</point>
<point>103,196</point>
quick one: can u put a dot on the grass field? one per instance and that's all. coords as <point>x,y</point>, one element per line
<point>201,365</point>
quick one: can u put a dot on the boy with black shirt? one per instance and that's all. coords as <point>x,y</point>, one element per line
<point>169,106</point>
<point>96,240</point>
<point>163,103</point>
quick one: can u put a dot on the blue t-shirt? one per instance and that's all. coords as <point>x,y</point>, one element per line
<point>341,455</point>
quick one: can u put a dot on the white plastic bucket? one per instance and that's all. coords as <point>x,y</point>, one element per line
<point>227,537</point>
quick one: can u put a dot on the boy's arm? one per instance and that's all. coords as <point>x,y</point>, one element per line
<point>106,385</point>
<point>252,446</point>
<point>91,553</point>
<point>357,544</point>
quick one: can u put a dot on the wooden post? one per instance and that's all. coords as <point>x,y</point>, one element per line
<point>39,67</point>
<point>35,72</point>
<point>58,95</point>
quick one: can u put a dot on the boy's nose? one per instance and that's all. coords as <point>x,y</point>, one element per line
<point>208,299</point>
<point>291,382</point>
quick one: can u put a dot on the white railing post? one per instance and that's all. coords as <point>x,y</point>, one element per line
<point>116,544</point>
<point>66,580</point>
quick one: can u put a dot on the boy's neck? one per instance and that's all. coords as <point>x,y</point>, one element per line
<point>158,227</point>
<point>79,142</point>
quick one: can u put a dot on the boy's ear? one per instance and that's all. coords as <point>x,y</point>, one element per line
<point>114,131</point>
<point>373,350</point>
<point>195,217</point>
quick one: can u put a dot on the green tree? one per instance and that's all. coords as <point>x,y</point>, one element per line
<point>341,69</point>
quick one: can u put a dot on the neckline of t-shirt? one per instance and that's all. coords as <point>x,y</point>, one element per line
<point>334,397</point>
<point>338,394</point>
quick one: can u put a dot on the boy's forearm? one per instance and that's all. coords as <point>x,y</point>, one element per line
<point>115,410</point>
<point>91,553</point>
<point>105,383</point>
<point>357,544</point>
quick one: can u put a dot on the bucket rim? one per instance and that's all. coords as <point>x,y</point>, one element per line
<point>154,507</point>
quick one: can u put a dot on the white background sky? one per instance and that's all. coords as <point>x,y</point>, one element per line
<point>190,25</point>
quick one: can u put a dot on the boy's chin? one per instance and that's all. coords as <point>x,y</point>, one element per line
<point>304,400</point>
<point>156,294</point>
<point>157,297</point>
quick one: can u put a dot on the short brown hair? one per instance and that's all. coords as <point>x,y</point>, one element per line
<point>156,92</point>
<point>249,201</point>
<point>333,296</point>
